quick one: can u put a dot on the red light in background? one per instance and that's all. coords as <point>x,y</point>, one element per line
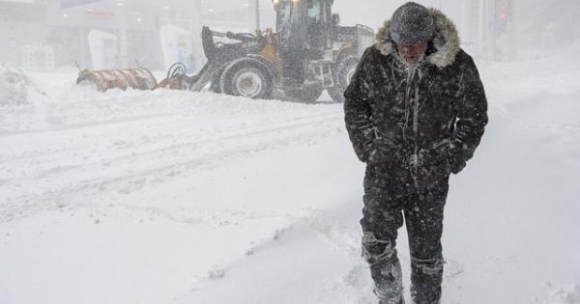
<point>503,16</point>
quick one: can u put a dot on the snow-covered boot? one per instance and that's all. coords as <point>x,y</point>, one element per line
<point>426,279</point>
<point>400,301</point>
<point>387,275</point>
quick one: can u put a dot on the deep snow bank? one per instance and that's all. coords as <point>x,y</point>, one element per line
<point>13,84</point>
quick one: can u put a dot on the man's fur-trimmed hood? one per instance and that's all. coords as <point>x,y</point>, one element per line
<point>446,40</point>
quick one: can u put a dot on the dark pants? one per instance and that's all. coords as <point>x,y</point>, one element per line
<point>383,214</point>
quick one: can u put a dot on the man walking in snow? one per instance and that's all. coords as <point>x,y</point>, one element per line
<point>415,111</point>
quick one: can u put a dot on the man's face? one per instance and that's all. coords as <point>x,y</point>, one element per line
<point>412,53</point>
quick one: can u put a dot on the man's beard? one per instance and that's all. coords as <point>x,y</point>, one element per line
<point>413,63</point>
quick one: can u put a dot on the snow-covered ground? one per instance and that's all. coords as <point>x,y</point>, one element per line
<point>181,197</point>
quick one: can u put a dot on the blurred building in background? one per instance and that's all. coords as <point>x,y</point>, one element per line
<point>23,25</point>
<point>542,26</point>
<point>97,34</point>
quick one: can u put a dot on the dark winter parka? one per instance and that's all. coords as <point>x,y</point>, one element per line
<point>415,126</point>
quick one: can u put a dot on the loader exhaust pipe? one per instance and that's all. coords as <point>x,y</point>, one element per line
<point>258,25</point>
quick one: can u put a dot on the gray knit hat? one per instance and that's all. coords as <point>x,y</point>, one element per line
<point>412,23</point>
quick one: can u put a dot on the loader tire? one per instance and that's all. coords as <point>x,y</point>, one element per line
<point>342,73</point>
<point>247,81</point>
<point>308,93</point>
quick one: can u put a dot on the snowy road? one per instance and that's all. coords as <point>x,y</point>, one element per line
<point>122,155</point>
<point>180,197</point>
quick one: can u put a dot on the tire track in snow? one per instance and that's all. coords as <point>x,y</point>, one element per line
<point>77,126</point>
<point>61,187</point>
<point>43,160</point>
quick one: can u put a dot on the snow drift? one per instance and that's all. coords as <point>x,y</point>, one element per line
<point>13,86</point>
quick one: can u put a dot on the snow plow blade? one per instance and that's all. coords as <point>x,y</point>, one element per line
<point>137,78</point>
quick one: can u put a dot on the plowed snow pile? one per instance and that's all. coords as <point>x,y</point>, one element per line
<point>13,84</point>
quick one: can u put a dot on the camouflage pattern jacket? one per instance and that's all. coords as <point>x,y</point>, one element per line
<point>415,126</point>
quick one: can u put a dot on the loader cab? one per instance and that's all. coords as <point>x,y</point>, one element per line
<point>304,25</point>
